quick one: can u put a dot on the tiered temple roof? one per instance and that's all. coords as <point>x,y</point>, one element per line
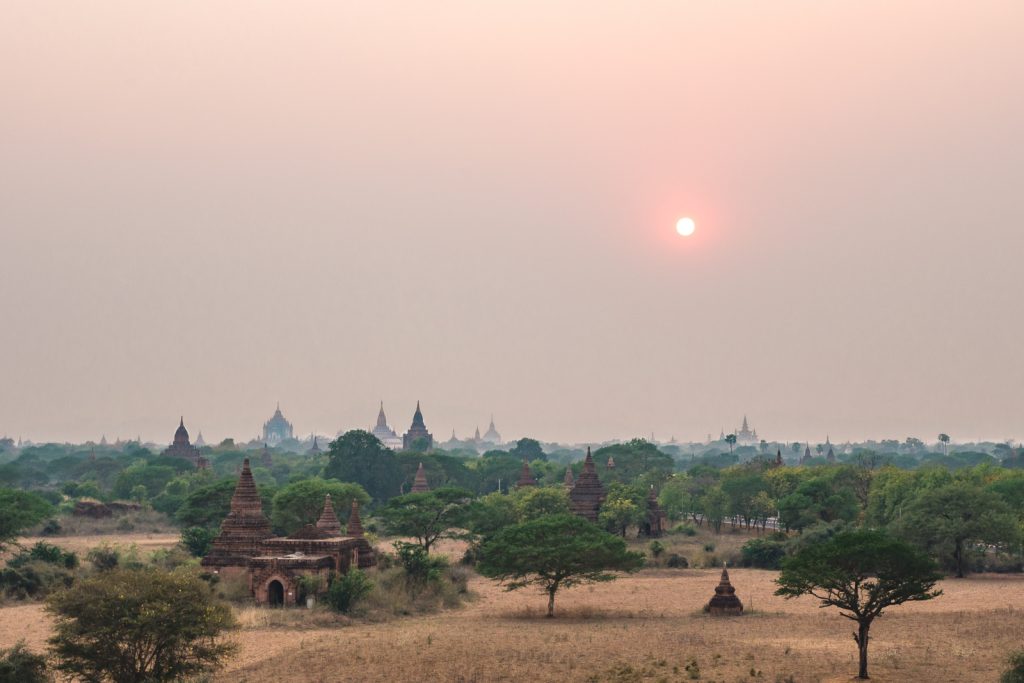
<point>418,430</point>
<point>355,525</point>
<point>277,428</point>
<point>656,522</point>
<point>724,602</point>
<point>328,521</point>
<point>419,484</point>
<point>182,448</point>
<point>587,494</point>
<point>243,529</point>
<point>525,476</point>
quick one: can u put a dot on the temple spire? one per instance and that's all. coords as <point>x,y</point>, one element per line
<point>355,525</point>
<point>419,484</point>
<point>328,520</point>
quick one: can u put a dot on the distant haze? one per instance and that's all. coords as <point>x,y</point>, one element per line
<point>208,207</point>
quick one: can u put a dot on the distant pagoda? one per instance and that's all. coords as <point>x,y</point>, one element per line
<point>419,484</point>
<point>242,530</point>
<point>277,429</point>
<point>656,521</point>
<point>587,494</point>
<point>182,448</point>
<point>568,482</point>
<point>384,433</point>
<point>417,431</point>
<point>328,521</point>
<point>525,476</point>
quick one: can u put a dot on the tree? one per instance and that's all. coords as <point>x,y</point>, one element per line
<point>139,625</point>
<point>623,507</point>
<point>301,502</point>
<point>18,511</point>
<point>553,552</point>
<point>715,505</point>
<point>529,449</point>
<point>21,665</point>
<point>536,501</point>
<point>358,456</point>
<point>731,440</point>
<point>861,573</point>
<point>950,519</point>
<point>944,440</point>
<point>427,517</point>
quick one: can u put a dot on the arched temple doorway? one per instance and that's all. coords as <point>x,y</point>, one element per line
<point>275,593</point>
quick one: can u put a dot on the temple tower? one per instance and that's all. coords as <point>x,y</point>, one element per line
<point>242,530</point>
<point>587,494</point>
<point>328,520</point>
<point>417,431</point>
<point>724,602</point>
<point>419,484</point>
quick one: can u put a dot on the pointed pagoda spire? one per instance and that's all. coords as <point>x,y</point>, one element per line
<point>328,520</point>
<point>419,484</point>
<point>778,458</point>
<point>569,481</point>
<point>745,427</point>
<point>587,493</point>
<point>355,525</point>
<point>525,476</point>
<point>382,420</point>
<point>246,499</point>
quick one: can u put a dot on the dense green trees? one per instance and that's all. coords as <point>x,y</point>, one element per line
<point>139,625</point>
<point>950,520</point>
<point>18,511</point>
<point>357,456</point>
<point>554,552</point>
<point>862,573</point>
<point>427,517</point>
<point>301,502</point>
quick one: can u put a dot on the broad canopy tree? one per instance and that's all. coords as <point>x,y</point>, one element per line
<point>554,552</point>
<point>301,502</point>
<point>429,516</point>
<point>130,625</point>
<point>862,573</point>
<point>18,511</point>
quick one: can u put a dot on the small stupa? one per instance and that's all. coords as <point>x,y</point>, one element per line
<point>724,602</point>
<point>569,481</point>
<point>328,520</point>
<point>419,484</point>
<point>525,476</point>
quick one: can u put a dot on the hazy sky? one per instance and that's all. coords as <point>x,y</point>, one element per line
<point>207,207</point>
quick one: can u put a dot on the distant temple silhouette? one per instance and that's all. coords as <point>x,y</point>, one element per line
<point>277,429</point>
<point>181,447</point>
<point>384,433</point>
<point>417,431</point>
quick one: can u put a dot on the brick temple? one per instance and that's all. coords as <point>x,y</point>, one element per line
<point>587,493</point>
<point>275,565</point>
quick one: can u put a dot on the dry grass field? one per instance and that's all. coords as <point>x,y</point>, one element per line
<point>644,627</point>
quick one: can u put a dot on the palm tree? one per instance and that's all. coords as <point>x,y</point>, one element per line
<point>944,439</point>
<point>730,439</point>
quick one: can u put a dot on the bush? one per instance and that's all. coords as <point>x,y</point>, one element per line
<point>656,548</point>
<point>419,567</point>
<point>44,552</point>
<point>677,562</point>
<point>103,557</point>
<point>709,547</point>
<point>20,665</point>
<point>51,528</point>
<point>34,579</point>
<point>347,590</point>
<point>197,540</point>
<point>763,554</point>
<point>685,529</point>
<point>1015,674</point>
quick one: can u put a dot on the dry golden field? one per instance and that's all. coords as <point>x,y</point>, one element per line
<point>644,627</point>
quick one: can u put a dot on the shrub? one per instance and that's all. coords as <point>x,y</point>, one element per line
<point>419,567</point>
<point>677,562</point>
<point>20,665</point>
<point>685,529</point>
<point>34,579</point>
<point>709,547</point>
<point>347,590</point>
<point>1015,674</point>
<point>51,528</point>
<point>197,539</point>
<point>103,557</point>
<point>44,552</point>
<point>656,548</point>
<point>763,554</point>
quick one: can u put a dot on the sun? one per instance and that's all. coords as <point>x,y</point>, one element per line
<point>685,226</point>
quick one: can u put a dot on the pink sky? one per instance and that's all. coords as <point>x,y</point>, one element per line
<point>207,207</point>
